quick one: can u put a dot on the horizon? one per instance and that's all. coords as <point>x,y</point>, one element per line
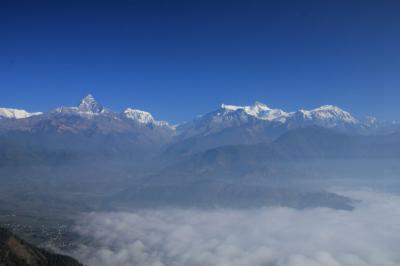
<point>178,60</point>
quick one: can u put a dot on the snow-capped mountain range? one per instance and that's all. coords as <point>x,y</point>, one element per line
<point>261,117</point>
<point>89,107</point>
<point>254,120</point>
<point>326,115</point>
<point>90,119</point>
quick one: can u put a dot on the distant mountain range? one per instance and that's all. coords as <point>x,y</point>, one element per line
<point>259,123</point>
<point>91,130</point>
<point>74,126</point>
<point>235,155</point>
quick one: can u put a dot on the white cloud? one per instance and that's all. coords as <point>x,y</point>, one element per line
<point>369,235</point>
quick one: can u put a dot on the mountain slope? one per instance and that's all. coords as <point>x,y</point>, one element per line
<point>305,144</point>
<point>282,172</point>
<point>16,252</point>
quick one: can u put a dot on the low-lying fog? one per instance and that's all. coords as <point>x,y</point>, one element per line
<point>271,236</point>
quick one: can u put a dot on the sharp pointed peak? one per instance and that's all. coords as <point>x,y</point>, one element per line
<point>90,105</point>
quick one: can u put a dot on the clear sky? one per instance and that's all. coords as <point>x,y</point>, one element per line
<point>178,59</point>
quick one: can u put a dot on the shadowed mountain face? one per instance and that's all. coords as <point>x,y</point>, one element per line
<point>296,146</point>
<point>16,252</point>
<point>282,172</point>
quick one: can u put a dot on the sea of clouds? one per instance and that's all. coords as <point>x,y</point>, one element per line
<point>275,236</point>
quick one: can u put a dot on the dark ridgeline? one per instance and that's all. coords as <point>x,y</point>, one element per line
<point>17,252</point>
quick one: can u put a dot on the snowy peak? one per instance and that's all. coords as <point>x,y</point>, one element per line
<point>143,117</point>
<point>16,113</point>
<point>332,110</point>
<point>258,110</point>
<point>328,115</point>
<point>139,116</point>
<point>90,105</point>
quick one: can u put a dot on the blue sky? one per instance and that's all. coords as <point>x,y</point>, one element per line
<point>178,59</point>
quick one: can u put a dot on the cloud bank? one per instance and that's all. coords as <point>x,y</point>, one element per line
<point>367,236</point>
